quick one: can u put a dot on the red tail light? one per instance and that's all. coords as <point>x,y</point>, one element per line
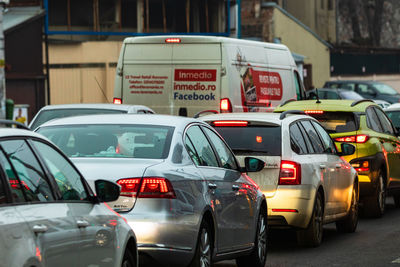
<point>231,123</point>
<point>225,105</point>
<point>314,111</point>
<point>117,101</point>
<point>150,187</point>
<point>361,138</point>
<point>173,40</point>
<point>362,166</point>
<point>129,186</point>
<point>290,173</point>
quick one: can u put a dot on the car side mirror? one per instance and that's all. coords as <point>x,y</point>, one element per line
<point>347,149</point>
<point>253,164</point>
<point>107,191</point>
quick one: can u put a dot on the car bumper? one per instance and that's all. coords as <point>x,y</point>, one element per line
<point>291,206</point>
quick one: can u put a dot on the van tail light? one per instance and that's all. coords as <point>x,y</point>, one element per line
<point>290,173</point>
<point>225,105</point>
<point>117,101</point>
<point>230,123</point>
<point>173,40</point>
<point>360,139</point>
<point>147,187</point>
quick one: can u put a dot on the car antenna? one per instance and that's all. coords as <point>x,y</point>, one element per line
<point>101,89</point>
<point>316,93</point>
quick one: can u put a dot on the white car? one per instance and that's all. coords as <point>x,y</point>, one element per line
<point>51,112</point>
<point>305,181</point>
<point>50,216</point>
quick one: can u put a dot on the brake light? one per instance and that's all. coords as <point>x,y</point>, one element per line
<point>225,105</point>
<point>361,138</point>
<point>129,186</point>
<point>314,111</point>
<point>285,210</point>
<point>156,188</point>
<point>117,101</point>
<point>173,40</point>
<point>259,139</point>
<point>290,173</point>
<point>231,123</point>
<point>362,166</point>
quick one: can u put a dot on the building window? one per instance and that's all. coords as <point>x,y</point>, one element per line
<point>330,4</point>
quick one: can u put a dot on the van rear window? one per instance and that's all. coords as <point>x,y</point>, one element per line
<point>257,140</point>
<point>338,122</point>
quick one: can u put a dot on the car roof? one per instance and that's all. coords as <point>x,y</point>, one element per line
<point>96,106</point>
<point>145,119</point>
<point>14,132</point>
<point>353,81</point>
<point>273,118</point>
<point>327,105</point>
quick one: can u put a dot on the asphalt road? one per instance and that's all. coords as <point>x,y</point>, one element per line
<point>375,243</point>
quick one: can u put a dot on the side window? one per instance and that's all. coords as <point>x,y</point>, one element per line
<point>68,179</point>
<point>15,185</point>
<point>373,121</point>
<point>347,86</point>
<point>315,140</point>
<point>331,95</point>
<point>329,146</point>
<point>310,148</point>
<point>225,155</point>
<point>365,89</point>
<point>386,125</point>
<point>3,198</point>
<point>192,151</point>
<point>296,139</point>
<point>297,84</point>
<point>28,170</point>
<point>202,146</point>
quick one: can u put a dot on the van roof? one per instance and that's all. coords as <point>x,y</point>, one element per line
<point>200,39</point>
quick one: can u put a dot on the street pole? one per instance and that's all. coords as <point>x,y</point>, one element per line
<point>3,4</point>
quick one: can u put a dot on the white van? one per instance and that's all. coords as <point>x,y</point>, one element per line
<point>183,75</point>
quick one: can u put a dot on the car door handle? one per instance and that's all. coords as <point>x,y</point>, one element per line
<point>39,228</point>
<point>235,187</point>
<point>212,186</point>
<point>338,166</point>
<point>322,166</point>
<point>82,223</point>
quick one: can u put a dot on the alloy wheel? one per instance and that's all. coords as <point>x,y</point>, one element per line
<point>262,239</point>
<point>381,194</point>
<point>205,249</point>
<point>318,218</point>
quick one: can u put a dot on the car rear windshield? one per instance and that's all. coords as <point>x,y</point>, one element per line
<point>111,140</point>
<point>385,89</point>
<point>47,115</point>
<point>257,140</point>
<point>338,122</point>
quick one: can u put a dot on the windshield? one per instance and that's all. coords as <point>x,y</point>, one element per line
<point>394,116</point>
<point>337,122</point>
<point>111,140</point>
<point>385,89</point>
<point>47,115</point>
<point>350,95</point>
<point>257,140</point>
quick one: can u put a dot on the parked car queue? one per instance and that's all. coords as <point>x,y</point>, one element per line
<point>188,194</point>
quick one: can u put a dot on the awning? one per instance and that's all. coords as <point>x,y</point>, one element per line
<point>16,16</point>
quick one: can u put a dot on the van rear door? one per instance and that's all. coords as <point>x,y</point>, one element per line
<point>170,77</point>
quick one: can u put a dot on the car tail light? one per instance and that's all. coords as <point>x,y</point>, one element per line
<point>129,186</point>
<point>285,210</point>
<point>225,105</point>
<point>173,40</point>
<point>290,173</point>
<point>361,138</point>
<point>230,123</point>
<point>314,111</point>
<point>361,166</point>
<point>117,101</point>
<point>156,188</point>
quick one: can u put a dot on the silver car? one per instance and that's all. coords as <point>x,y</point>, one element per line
<point>51,112</point>
<point>49,215</point>
<point>183,191</point>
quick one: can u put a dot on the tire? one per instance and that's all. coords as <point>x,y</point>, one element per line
<point>349,224</point>
<point>258,256</point>
<point>374,206</point>
<point>204,247</point>
<point>396,198</point>
<point>312,236</point>
<point>128,260</point>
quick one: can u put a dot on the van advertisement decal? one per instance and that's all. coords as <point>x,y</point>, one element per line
<point>146,84</point>
<point>195,84</point>
<point>260,87</point>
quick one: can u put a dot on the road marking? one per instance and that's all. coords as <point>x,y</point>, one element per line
<point>396,260</point>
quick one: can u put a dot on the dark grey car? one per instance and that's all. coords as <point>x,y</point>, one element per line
<point>183,191</point>
<point>367,89</point>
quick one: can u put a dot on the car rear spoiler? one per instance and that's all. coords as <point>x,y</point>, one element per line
<point>287,112</point>
<point>16,123</point>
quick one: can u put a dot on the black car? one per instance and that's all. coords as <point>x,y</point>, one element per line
<point>368,89</point>
<point>331,93</point>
